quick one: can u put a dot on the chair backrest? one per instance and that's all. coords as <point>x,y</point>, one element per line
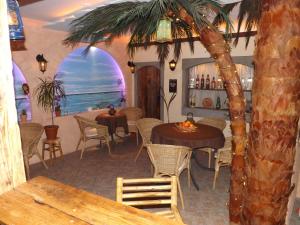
<point>84,123</point>
<point>169,159</point>
<point>214,122</point>
<point>147,191</point>
<point>132,113</point>
<point>224,155</point>
<point>145,126</point>
<point>30,135</point>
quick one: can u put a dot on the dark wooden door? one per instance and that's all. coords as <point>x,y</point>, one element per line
<point>148,93</point>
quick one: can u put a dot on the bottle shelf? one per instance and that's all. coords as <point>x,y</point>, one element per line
<point>199,89</point>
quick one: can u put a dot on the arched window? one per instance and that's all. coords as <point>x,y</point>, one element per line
<point>21,92</point>
<point>91,80</point>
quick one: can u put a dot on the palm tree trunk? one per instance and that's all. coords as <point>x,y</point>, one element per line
<point>273,130</point>
<point>218,48</point>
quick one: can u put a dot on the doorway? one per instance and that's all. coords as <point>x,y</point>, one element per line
<point>148,92</point>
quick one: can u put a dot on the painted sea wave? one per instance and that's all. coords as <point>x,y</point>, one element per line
<point>84,102</point>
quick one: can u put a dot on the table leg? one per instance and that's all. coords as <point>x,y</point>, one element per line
<point>200,165</point>
<point>194,181</point>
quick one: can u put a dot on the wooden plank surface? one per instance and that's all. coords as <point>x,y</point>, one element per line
<point>49,202</point>
<point>17,208</point>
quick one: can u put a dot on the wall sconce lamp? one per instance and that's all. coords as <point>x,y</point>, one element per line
<point>131,66</point>
<point>42,62</point>
<point>172,64</point>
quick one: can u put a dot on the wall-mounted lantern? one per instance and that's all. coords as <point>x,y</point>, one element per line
<point>131,66</point>
<point>172,64</point>
<point>42,62</point>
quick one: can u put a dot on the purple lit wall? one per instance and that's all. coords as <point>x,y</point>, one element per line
<point>22,100</point>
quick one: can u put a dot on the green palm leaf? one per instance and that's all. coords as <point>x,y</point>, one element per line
<point>141,20</point>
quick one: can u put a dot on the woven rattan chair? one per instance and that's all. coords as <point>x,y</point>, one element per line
<point>30,136</point>
<point>89,129</point>
<point>145,126</point>
<point>133,114</point>
<point>146,192</point>
<point>214,122</point>
<point>170,160</point>
<point>223,158</point>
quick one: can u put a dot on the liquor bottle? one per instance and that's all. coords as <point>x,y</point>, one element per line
<point>197,82</point>
<point>202,82</point>
<point>218,104</point>
<point>213,83</point>
<point>207,82</point>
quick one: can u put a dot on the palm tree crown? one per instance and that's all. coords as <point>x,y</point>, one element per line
<point>141,20</point>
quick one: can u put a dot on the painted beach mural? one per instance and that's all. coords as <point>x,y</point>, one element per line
<point>92,80</point>
<point>21,87</point>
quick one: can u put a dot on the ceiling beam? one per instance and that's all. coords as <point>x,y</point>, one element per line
<point>27,2</point>
<point>233,35</point>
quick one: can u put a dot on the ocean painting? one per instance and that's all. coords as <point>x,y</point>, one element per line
<point>91,80</point>
<point>22,100</point>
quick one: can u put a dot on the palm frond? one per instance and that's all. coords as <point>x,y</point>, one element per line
<point>141,20</point>
<point>250,13</point>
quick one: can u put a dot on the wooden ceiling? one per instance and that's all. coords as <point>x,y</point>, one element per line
<point>27,2</point>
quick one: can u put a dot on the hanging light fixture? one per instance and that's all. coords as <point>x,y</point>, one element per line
<point>16,30</point>
<point>131,66</point>
<point>42,62</point>
<point>164,32</point>
<point>172,64</point>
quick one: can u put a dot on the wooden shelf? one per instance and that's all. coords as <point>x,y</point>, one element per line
<point>198,89</point>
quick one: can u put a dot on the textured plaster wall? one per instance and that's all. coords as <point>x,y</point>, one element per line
<point>40,40</point>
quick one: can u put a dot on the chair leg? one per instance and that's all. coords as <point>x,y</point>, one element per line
<point>42,160</point>
<point>26,162</point>
<point>180,192</point>
<point>216,176</point>
<point>108,146</point>
<point>82,150</point>
<point>189,176</point>
<point>139,152</point>
<point>137,138</point>
<point>209,158</point>
<point>78,143</point>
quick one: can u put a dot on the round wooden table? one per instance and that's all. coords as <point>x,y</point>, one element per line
<point>112,122</point>
<point>203,136</point>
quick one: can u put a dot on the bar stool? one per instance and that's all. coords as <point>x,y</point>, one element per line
<point>52,146</point>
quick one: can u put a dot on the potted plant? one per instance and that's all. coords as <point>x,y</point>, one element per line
<point>46,93</point>
<point>23,116</point>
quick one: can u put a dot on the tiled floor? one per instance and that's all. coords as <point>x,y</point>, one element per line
<point>97,173</point>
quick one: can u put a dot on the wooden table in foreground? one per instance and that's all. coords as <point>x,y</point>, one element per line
<point>45,201</point>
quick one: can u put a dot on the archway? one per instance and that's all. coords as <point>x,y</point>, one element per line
<point>91,79</point>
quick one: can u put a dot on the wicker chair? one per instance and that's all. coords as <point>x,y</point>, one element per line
<point>214,122</point>
<point>89,129</point>
<point>145,126</point>
<point>31,134</point>
<point>148,192</point>
<point>170,160</point>
<point>223,158</point>
<point>133,114</point>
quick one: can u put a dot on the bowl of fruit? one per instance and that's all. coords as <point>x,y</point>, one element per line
<point>186,126</point>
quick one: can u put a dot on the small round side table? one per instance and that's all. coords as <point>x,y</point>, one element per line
<point>52,146</point>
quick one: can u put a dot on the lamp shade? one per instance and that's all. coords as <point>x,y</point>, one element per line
<point>172,64</point>
<point>16,30</point>
<point>42,62</point>
<point>164,32</point>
